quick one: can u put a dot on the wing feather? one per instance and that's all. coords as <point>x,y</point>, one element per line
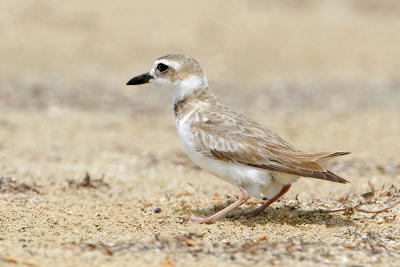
<point>228,136</point>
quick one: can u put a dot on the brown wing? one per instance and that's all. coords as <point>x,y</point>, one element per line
<point>231,137</point>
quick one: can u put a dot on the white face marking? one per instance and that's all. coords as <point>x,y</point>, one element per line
<point>173,64</point>
<point>161,82</point>
<point>152,72</point>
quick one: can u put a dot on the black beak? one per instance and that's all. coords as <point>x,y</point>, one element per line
<point>141,79</point>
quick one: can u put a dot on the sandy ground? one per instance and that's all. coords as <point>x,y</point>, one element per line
<point>92,172</point>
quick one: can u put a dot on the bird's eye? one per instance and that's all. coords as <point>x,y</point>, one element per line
<point>162,67</point>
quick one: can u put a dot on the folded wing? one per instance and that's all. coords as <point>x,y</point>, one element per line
<point>231,137</point>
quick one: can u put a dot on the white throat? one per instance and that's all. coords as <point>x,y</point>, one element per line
<point>184,88</point>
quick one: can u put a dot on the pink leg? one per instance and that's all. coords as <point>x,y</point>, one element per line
<point>260,209</point>
<point>245,196</point>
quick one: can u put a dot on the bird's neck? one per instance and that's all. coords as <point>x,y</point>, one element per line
<point>189,86</point>
<point>194,101</point>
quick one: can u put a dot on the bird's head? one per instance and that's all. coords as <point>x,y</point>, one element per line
<point>181,73</point>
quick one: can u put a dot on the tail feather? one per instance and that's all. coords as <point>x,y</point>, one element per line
<point>330,176</point>
<point>335,154</point>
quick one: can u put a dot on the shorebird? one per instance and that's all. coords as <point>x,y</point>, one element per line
<point>228,144</point>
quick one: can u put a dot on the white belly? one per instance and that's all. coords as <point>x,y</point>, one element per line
<point>255,180</point>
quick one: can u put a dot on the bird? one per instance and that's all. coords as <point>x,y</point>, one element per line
<point>228,144</point>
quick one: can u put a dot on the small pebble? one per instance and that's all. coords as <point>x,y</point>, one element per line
<point>157,210</point>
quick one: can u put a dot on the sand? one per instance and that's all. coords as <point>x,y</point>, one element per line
<point>92,173</point>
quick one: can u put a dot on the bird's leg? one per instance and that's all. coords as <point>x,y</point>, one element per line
<point>260,209</point>
<point>243,198</point>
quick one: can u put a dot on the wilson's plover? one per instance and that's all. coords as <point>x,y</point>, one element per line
<point>228,144</point>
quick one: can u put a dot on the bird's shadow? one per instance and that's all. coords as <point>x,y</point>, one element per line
<point>281,214</point>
